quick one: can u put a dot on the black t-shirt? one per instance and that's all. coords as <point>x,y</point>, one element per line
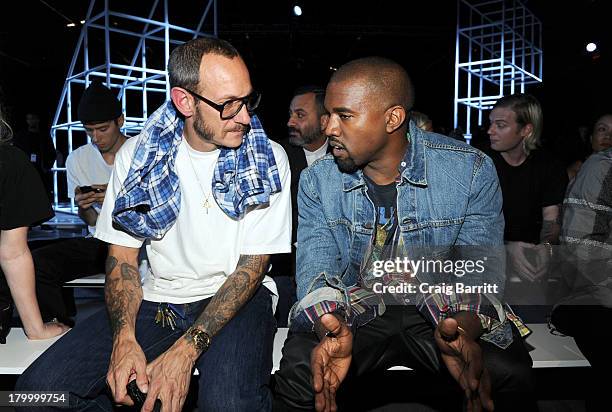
<point>538,182</point>
<point>23,200</point>
<point>384,198</point>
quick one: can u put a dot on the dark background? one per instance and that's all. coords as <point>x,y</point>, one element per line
<point>284,51</point>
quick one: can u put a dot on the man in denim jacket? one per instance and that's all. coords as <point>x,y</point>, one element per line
<point>387,193</point>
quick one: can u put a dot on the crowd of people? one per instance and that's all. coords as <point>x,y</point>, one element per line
<point>231,220</point>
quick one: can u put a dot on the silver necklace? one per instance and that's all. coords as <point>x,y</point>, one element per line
<point>207,203</point>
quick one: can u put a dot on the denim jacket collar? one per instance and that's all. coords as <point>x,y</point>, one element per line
<point>352,181</point>
<point>412,167</point>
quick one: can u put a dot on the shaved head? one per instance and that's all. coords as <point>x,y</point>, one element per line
<point>368,101</point>
<point>386,80</point>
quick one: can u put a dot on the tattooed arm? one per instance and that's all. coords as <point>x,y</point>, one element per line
<point>171,372</point>
<point>235,292</point>
<point>123,295</point>
<point>122,290</point>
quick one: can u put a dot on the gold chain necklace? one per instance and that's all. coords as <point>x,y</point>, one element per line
<point>207,204</point>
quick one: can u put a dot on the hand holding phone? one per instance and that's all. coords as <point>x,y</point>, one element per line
<point>138,397</point>
<point>87,189</point>
<point>87,195</point>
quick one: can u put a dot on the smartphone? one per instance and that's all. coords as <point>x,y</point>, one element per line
<point>87,189</point>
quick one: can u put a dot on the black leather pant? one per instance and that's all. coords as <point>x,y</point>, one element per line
<point>402,337</point>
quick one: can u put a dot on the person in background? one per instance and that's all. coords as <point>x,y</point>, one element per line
<point>533,185</point>
<point>38,146</point>
<point>88,170</point>
<point>421,120</point>
<point>601,136</point>
<point>585,270</point>
<point>306,144</point>
<point>22,203</point>
<point>600,139</point>
<point>307,141</point>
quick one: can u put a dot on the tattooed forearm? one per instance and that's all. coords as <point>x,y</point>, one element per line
<point>111,263</point>
<point>122,293</point>
<point>253,263</point>
<point>114,305</point>
<point>233,294</point>
<point>130,274</point>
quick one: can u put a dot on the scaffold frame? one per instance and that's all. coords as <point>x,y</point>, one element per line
<point>498,51</point>
<point>138,83</point>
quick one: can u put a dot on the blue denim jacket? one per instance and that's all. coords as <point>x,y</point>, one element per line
<point>449,195</point>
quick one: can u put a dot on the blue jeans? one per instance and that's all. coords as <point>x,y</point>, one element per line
<point>234,373</point>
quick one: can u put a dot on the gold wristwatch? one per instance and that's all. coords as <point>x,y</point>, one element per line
<point>201,339</point>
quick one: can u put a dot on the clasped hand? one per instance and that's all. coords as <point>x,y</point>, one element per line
<point>166,378</point>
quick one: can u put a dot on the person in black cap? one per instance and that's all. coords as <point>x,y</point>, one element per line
<point>88,170</point>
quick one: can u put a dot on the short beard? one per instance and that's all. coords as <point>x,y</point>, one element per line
<point>309,136</point>
<point>201,129</point>
<point>347,165</point>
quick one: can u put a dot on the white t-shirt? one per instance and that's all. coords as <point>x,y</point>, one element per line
<point>202,248</point>
<point>85,166</point>
<point>317,154</point>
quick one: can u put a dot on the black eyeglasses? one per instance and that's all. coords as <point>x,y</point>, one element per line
<point>231,107</point>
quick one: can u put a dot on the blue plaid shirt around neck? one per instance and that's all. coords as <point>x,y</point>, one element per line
<point>149,201</point>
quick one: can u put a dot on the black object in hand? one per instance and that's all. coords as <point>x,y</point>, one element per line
<point>87,189</point>
<point>139,398</point>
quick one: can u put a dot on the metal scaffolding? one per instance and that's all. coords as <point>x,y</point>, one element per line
<point>141,81</point>
<point>498,52</point>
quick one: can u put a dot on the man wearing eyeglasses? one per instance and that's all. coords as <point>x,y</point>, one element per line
<point>201,185</point>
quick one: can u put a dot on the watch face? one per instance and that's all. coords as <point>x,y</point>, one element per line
<point>200,338</point>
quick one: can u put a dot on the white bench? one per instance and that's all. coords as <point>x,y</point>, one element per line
<point>19,352</point>
<point>93,281</point>
<point>97,280</point>
<point>550,351</point>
